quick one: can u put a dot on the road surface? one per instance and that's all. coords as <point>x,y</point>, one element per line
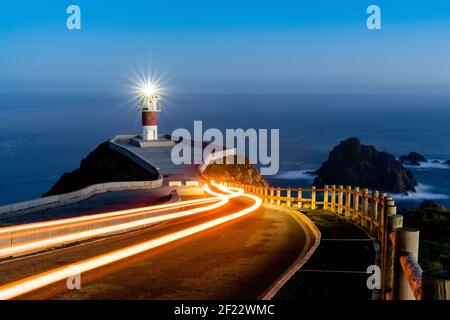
<point>236,260</point>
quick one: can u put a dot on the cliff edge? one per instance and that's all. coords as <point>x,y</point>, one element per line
<point>100,166</point>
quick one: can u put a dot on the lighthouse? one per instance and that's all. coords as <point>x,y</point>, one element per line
<point>150,98</point>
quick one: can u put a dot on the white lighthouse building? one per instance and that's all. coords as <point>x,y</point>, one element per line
<point>149,97</point>
<point>150,107</point>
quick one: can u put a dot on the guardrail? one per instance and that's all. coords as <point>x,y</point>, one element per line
<point>33,233</point>
<point>402,277</point>
<point>44,203</point>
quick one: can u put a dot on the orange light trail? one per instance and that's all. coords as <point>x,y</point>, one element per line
<point>78,236</point>
<point>105,215</point>
<point>62,225</point>
<point>32,283</point>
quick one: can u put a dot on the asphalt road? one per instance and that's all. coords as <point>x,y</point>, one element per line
<point>237,260</point>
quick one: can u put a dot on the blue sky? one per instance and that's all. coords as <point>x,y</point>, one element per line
<point>226,46</point>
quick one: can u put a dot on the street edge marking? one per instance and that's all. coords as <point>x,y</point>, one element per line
<point>303,257</point>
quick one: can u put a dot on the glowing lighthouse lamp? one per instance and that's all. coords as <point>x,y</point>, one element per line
<point>149,96</point>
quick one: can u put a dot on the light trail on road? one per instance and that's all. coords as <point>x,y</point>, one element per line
<point>147,209</point>
<point>78,236</point>
<point>32,283</point>
<point>68,226</point>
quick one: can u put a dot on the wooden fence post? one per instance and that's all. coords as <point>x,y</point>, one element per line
<point>375,199</point>
<point>356,204</point>
<point>325,197</point>
<point>313,198</point>
<point>436,285</point>
<point>393,222</point>
<point>365,207</point>
<point>288,195</point>
<point>299,198</point>
<point>333,198</point>
<point>340,198</point>
<point>348,200</point>
<point>374,209</point>
<point>406,243</point>
<point>384,199</point>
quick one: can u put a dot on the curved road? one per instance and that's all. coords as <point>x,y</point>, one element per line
<point>236,260</point>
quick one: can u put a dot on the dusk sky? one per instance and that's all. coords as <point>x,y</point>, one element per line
<point>226,46</point>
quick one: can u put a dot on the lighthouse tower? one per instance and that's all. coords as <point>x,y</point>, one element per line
<point>150,107</point>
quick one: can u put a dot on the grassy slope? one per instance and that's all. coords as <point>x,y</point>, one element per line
<point>434,226</point>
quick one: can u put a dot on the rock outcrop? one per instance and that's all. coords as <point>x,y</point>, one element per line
<point>447,162</point>
<point>351,163</point>
<point>413,158</point>
<point>239,173</point>
<point>100,166</point>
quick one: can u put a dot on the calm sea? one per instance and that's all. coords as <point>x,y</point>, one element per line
<point>42,137</point>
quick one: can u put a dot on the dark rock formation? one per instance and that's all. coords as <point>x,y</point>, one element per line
<point>412,158</point>
<point>239,173</point>
<point>351,163</point>
<point>436,161</point>
<point>100,166</point>
<point>447,162</point>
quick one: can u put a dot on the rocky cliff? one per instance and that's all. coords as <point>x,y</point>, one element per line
<point>413,158</point>
<point>239,173</point>
<point>100,166</point>
<point>355,164</point>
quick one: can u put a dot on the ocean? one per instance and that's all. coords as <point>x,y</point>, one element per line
<point>43,136</point>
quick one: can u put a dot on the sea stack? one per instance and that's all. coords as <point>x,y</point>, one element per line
<point>352,163</point>
<point>413,158</point>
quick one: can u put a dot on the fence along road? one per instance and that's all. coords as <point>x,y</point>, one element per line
<point>375,212</point>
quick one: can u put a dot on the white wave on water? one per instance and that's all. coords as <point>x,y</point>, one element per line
<point>296,174</point>
<point>423,192</point>
<point>430,165</point>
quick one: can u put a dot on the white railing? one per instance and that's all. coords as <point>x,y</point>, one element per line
<point>74,196</point>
